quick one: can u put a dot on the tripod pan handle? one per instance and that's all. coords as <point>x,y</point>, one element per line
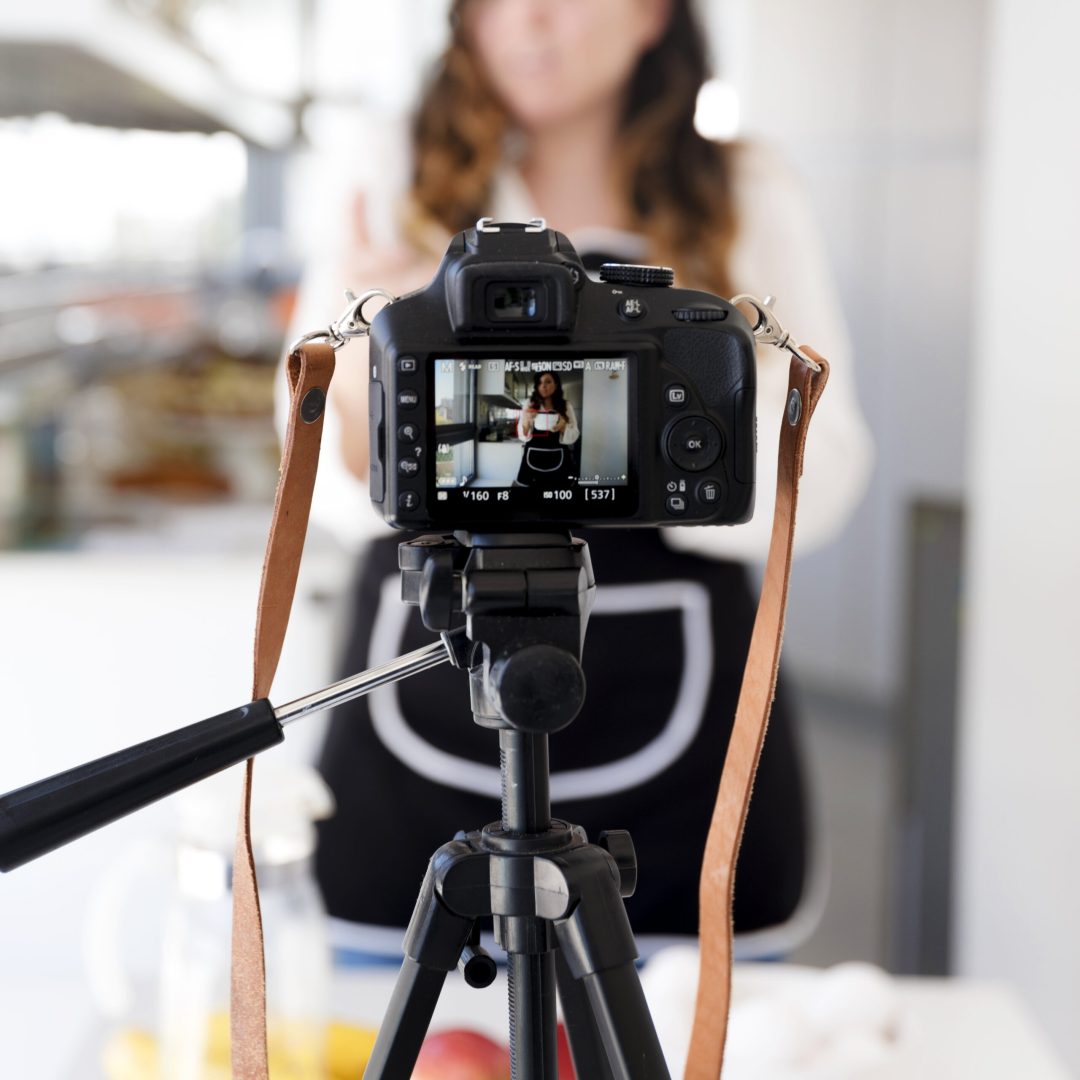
<point>43,816</point>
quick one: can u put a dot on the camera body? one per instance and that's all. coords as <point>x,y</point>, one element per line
<point>514,392</point>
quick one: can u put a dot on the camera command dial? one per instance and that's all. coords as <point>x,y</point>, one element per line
<point>628,274</point>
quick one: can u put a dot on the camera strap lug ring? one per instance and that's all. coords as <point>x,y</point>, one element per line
<point>767,328</point>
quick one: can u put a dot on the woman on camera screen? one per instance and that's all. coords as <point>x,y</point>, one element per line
<point>582,112</point>
<point>548,427</point>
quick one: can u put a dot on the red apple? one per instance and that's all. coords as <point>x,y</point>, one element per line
<point>459,1054</point>
<point>566,1062</point>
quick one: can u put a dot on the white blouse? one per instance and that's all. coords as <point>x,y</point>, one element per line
<point>778,251</point>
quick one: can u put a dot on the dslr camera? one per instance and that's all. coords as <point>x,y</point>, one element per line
<point>515,392</point>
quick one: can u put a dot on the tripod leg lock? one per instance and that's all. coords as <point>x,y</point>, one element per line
<point>436,935</point>
<point>594,933</point>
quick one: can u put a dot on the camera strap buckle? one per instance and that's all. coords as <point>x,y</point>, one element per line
<point>351,323</point>
<point>767,328</point>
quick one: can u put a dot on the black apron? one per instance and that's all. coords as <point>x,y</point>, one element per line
<point>545,462</point>
<point>663,660</point>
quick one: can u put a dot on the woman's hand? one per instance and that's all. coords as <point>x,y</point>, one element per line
<point>560,424</point>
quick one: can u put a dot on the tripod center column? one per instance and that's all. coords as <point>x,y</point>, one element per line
<point>526,795</point>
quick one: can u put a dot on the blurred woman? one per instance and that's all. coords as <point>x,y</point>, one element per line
<point>582,112</point>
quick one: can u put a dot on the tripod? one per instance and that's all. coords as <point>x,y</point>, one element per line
<point>556,899</point>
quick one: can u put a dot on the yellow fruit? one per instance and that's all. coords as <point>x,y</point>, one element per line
<point>130,1055</point>
<point>347,1050</point>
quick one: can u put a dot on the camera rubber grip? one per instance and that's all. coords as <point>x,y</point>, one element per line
<point>43,816</point>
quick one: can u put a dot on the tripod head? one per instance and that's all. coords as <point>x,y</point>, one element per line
<point>524,601</point>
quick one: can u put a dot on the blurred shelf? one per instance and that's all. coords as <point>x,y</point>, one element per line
<point>95,63</point>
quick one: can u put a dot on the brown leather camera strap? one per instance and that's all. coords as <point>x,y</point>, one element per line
<point>747,736</point>
<point>310,370</point>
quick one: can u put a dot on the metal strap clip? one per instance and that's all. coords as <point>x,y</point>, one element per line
<point>767,328</point>
<point>351,323</point>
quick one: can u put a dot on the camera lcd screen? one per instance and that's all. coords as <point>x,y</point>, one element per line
<point>548,435</point>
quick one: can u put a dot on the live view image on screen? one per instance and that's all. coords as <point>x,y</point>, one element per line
<point>531,423</point>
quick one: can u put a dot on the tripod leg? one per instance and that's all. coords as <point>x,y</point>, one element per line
<point>626,1028</point>
<point>405,1024</point>
<point>596,941</point>
<point>586,1046</point>
<point>433,943</point>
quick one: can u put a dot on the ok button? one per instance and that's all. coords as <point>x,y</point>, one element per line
<point>694,443</point>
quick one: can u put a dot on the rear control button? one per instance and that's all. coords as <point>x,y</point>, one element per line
<point>709,491</point>
<point>694,444</point>
<point>406,365</point>
<point>676,504</point>
<point>676,395</point>
<point>408,399</point>
<point>408,466</point>
<point>408,433</point>
<point>408,500</point>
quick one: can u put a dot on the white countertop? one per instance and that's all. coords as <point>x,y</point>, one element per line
<point>951,1028</point>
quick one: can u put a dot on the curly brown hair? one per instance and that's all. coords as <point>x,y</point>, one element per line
<point>676,183</point>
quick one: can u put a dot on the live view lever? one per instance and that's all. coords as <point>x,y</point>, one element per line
<point>41,817</point>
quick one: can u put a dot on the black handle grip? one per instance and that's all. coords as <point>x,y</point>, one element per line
<point>41,817</point>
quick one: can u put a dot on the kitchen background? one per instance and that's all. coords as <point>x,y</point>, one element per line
<point>167,170</point>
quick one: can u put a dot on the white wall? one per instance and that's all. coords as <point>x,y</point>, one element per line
<point>1019,883</point>
<point>878,107</point>
<point>604,432</point>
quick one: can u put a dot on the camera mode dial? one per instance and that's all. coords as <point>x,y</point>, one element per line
<point>628,274</point>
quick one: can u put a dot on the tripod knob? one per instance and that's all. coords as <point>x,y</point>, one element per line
<point>617,843</point>
<point>541,688</point>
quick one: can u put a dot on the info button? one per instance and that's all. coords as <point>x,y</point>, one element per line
<point>694,444</point>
